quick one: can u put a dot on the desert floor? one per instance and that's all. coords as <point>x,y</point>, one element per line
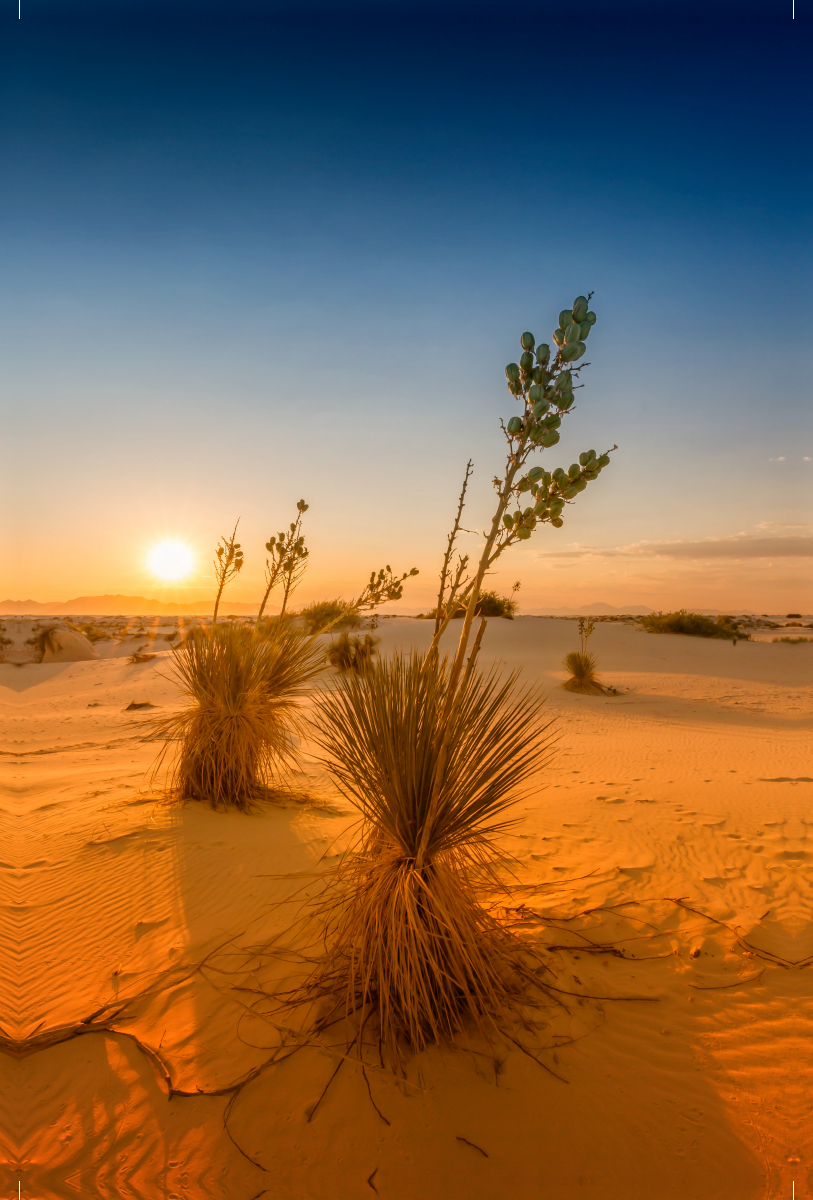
<point>666,851</point>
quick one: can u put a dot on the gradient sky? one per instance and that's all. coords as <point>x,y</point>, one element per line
<point>251,255</point>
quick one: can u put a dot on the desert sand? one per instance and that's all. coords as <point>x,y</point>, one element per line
<point>665,852</point>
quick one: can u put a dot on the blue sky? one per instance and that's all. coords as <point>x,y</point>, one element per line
<point>252,255</point>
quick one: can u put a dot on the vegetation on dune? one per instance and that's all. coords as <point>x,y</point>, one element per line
<point>696,625</point>
<point>582,666</point>
<point>288,562</point>
<point>322,615</point>
<point>792,641</point>
<point>431,751</point>
<point>407,934</point>
<point>489,604</point>
<point>236,730</point>
<point>347,653</point>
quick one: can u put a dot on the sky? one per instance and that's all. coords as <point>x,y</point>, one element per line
<point>258,252</point>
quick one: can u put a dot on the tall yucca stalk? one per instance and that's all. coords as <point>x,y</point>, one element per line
<point>236,729</point>
<point>409,939</point>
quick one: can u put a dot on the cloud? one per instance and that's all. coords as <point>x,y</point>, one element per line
<point>739,546</point>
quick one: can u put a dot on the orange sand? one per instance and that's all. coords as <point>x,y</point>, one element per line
<point>694,784</point>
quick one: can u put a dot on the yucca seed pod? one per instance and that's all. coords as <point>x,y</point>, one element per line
<point>527,341</point>
<point>572,332</point>
<point>507,520</point>
<point>559,336</point>
<point>526,362</point>
<point>512,372</point>
<point>564,381</point>
<point>590,475</point>
<point>543,353</point>
<point>564,402</point>
<point>523,485</point>
<point>604,461</point>
<point>523,533</point>
<point>580,308</point>
<point>540,376</point>
<point>541,508</point>
<point>584,328</point>
<point>515,388</point>
<point>550,438</point>
<point>535,474</point>
<point>535,393</point>
<point>515,425</point>
<point>580,349</point>
<point>516,517</point>
<point>569,352</point>
<point>553,421</point>
<point>573,471</point>
<point>556,506</point>
<point>580,484</point>
<point>565,318</point>
<point>559,474</point>
<point>571,492</point>
<point>557,521</point>
<point>590,318</point>
<point>584,457</point>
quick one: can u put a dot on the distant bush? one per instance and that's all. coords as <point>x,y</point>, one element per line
<point>792,641</point>
<point>348,653</point>
<point>695,624</point>
<point>490,604</point>
<point>333,614</point>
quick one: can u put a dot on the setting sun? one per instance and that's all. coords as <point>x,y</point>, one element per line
<point>170,561</point>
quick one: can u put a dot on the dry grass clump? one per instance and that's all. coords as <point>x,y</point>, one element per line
<point>329,614</point>
<point>695,624</point>
<point>347,653</point>
<point>409,939</point>
<point>583,678</point>
<point>236,730</point>
<point>792,641</point>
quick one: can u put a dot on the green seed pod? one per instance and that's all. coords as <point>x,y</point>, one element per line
<point>573,332</point>
<point>570,493</point>
<point>559,336</point>
<point>585,328</point>
<point>550,438</point>
<point>580,308</point>
<point>526,362</point>
<point>539,375</point>
<point>590,475</point>
<point>546,478</point>
<point>556,506</point>
<point>541,408</point>
<point>515,425</point>
<point>604,461</point>
<point>559,474</point>
<point>523,533</point>
<point>507,520</point>
<point>543,353</point>
<point>523,486</point>
<point>528,513</point>
<point>527,341</point>
<point>565,318</point>
<point>540,508</point>
<point>535,474</point>
<point>564,402</point>
<point>584,457</point>
<point>553,421</point>
<point>580,485</point>
<point>570,352</point>
<point>515,388</point>
<point>535,393</point>
<point>591,317</point>
<point>574,471</point>
<point>580,349</point>
<point>557,521</point>
<point>564,381</point>
<point>512,372</point>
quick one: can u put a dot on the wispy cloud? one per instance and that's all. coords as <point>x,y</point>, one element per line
<point>738,546</point>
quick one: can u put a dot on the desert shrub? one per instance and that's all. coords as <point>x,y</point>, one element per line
<point>490,604</point>
<point>792,641</point>
<point>583,678</point>
<point>348,653</point>
<point>329,614</point>
<point>409,935</point>
<point>694,624</point>
<point>235,732</point>
<point>42,640</point>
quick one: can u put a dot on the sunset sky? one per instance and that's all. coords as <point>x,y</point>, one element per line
<point>250,256</point>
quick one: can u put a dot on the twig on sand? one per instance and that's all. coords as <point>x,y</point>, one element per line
<point>468,1143</point>
<point>370,1093</point>
<point>718,987</point>
<point>312,1112</point>
<point>372,1176</point>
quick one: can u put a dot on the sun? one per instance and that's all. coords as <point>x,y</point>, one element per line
<point>170,561</point>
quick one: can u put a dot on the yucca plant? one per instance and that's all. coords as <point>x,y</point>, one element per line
<point>237,727</point>
<point>582,666</point>
<point>347,653</point>
<point>409,937</point>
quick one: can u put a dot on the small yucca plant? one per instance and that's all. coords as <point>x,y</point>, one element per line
<point>582,666</point>
<point>409,938</point>
<point>236,729</point>
<point>347,653</point>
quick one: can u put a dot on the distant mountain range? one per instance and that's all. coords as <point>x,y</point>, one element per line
<point>120,606</point>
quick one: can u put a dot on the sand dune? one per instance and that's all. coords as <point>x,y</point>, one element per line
<point>665,853</point>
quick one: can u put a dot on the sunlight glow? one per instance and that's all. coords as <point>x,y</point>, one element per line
<point>170,561</point>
